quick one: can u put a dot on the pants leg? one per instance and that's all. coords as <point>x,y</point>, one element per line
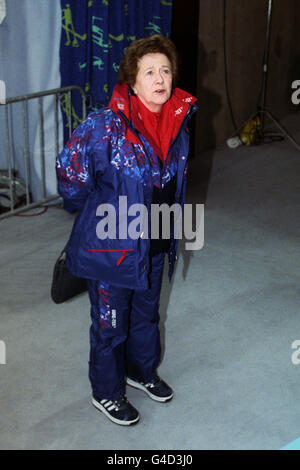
<point>143,347</point>
<point>110,309</point>
<point>124,334</point>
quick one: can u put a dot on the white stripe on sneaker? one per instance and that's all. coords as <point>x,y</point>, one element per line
<point>99,405</point>
<point>142,386</point>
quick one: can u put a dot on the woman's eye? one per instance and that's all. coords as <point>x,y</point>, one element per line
<point>167,71</point>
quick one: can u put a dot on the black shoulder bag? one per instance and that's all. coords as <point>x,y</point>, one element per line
<point>65,285</point>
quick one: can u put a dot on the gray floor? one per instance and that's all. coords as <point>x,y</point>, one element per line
<point>228,322</point>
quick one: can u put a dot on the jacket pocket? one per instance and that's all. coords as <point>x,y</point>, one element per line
<point>123,251</point>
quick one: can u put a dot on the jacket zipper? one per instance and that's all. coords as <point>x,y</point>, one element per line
<point>122,256</point>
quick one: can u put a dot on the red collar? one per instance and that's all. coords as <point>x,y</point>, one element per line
<point>172,115</point>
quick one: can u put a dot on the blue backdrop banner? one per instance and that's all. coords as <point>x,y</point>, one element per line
<point>94,36</point>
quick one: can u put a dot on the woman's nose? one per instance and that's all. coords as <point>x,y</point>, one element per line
<point>159,78</point>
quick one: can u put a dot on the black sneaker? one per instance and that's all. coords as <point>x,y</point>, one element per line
<point>119,411</point>
<point>157,389</point>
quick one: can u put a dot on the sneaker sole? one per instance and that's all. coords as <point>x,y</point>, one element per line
<point>141,387</point>
<point>114,420</point>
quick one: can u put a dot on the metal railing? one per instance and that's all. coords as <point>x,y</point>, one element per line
<point>23,99</point>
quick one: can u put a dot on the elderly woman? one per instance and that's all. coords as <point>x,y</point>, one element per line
<point>118,162</point>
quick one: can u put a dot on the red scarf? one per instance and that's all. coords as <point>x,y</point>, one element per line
<point>152,122</point>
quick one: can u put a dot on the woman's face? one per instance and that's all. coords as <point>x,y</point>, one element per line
<point>153,84</point>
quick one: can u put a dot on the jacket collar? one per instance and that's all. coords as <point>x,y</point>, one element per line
<point>124,103</point>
